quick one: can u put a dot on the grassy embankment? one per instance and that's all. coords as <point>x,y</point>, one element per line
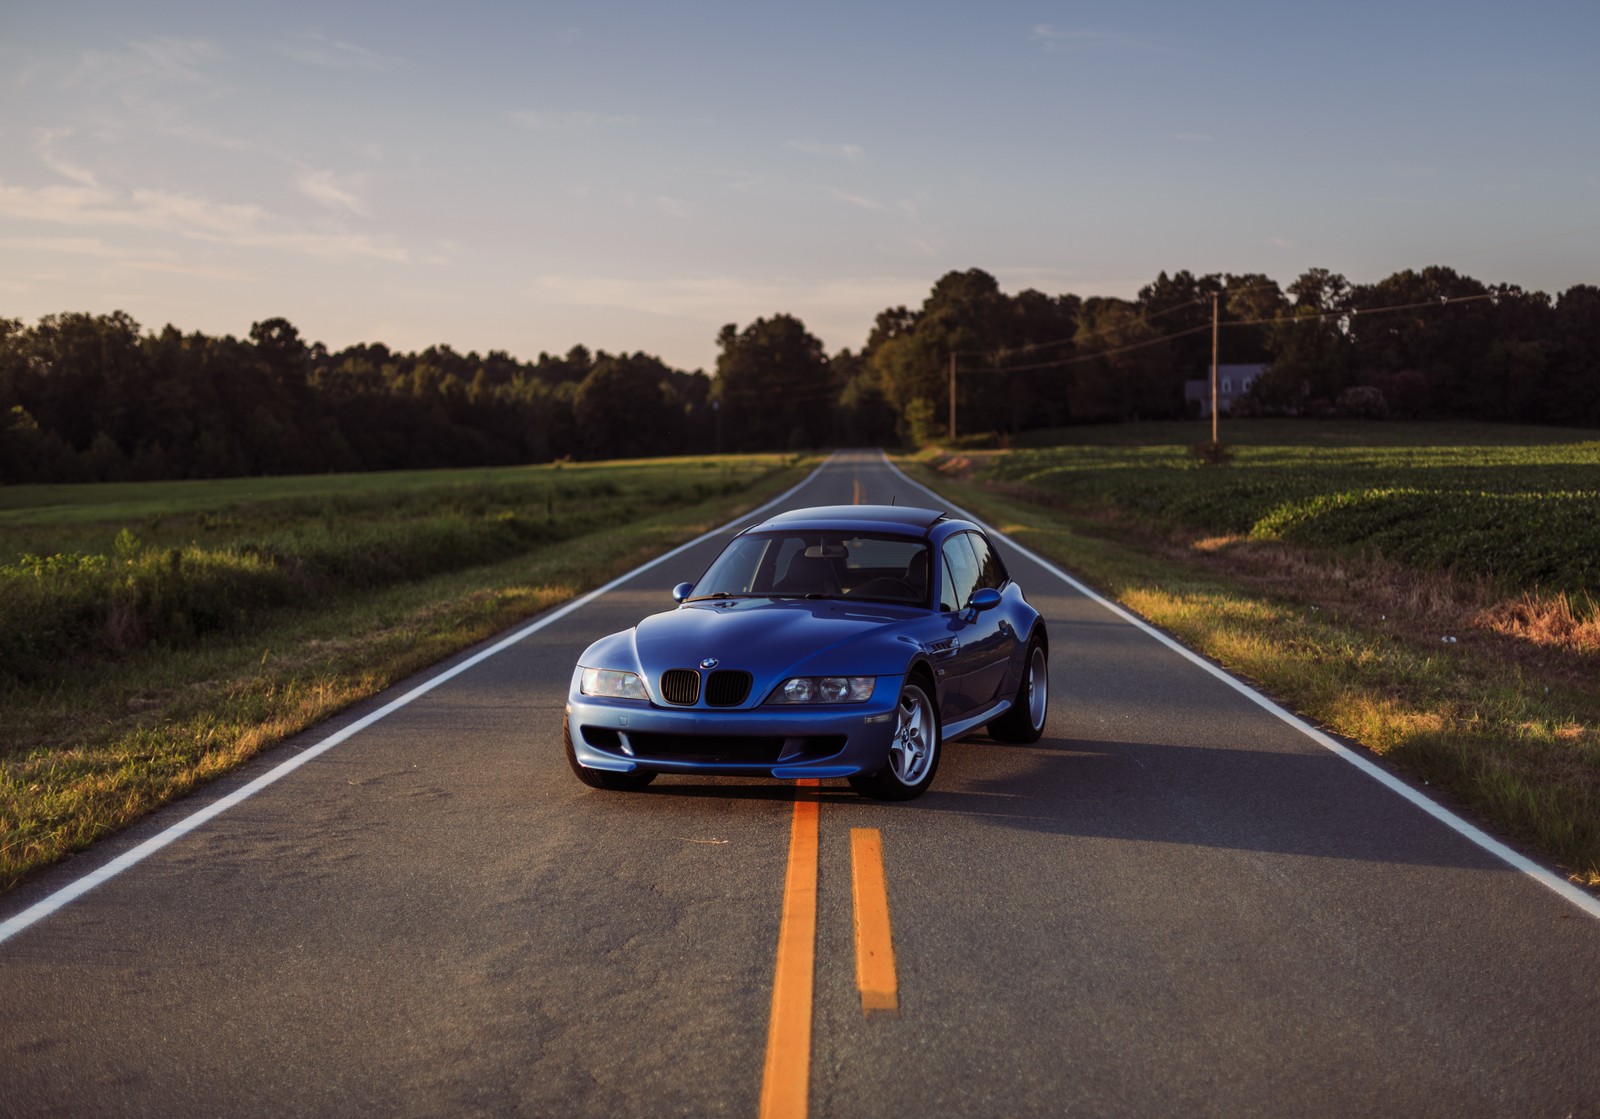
<point>1431,592</point>
<point>153,636</point>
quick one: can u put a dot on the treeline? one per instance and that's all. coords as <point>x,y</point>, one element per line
<point>94,397</point>
<point>91,397</point>
<point>1419,344</point>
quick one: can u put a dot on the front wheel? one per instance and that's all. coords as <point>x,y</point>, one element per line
<point>1024,722</point>
<point>602,778</point>
<point>913,752</point>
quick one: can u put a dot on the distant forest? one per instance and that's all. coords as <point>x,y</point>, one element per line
<point>87,397</point>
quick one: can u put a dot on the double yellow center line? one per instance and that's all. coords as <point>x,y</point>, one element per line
<point>786,1078</point>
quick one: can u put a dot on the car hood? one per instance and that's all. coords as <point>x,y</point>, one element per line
<point>770,639</point>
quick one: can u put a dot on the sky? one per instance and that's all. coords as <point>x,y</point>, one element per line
<point>632,176</point>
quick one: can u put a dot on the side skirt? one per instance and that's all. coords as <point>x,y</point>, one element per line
<point>956,730</point>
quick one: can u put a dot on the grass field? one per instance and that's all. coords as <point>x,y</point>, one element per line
<point>154,636</point>
<point>1425,591</point>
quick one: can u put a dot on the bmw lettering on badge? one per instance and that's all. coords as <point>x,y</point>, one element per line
<point>849,641</point>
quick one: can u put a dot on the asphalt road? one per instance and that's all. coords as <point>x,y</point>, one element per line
<point>1174,904</point>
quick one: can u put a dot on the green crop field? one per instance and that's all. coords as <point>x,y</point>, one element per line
<point>152,636</point>
<point>1518,507</point>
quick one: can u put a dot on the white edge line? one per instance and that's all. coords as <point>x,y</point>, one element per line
<point>1580,898</point>
<point>43,908</point>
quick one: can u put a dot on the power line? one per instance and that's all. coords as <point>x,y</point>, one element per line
<point>1096,356</point>
<point>1080,337</point>
<point>1145,318</point>
<point>1349,312</point>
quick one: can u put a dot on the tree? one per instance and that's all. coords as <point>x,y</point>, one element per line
<point>283,351</point>
<point>1180,305</point>
<point>863,416</point>
<point>1250,298</point>
<point>1135,376</point>
<point>1307,351</point>
<point>1441,340</point>
<point>623,411</point>
<point>1574,386</point>
<point>774,386</point>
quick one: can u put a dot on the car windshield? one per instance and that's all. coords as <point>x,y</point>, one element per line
<point>801,564</point>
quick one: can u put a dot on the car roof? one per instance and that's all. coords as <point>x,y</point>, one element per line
<point>887,518</point>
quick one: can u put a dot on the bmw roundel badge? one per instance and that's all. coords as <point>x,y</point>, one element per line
<point>709,662</point>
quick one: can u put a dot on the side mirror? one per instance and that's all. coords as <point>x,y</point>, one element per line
<point>984,598</point>
<point>682,591</point>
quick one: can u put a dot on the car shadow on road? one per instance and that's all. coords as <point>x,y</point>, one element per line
<point>1296,802</point>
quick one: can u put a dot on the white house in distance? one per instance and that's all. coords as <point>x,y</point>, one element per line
<point>1233,382</point>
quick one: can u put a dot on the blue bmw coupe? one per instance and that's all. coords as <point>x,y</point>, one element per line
<point>849,641</point>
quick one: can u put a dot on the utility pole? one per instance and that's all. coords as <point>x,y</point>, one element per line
<point>952,397</point>
<point>1214,299</point>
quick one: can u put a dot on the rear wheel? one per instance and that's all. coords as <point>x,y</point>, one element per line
<point>602,778</point>
<point>1024,722</point>
<point>913,752</point>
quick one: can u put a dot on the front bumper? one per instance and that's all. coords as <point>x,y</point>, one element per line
<point>787,742</point>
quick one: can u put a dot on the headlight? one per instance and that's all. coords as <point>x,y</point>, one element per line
<point>613,684</point>
<point>825,689</point>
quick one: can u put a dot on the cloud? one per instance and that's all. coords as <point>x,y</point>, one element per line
<point>852,153</point>
<point>828,304</point>
<point>574,120</point>
<point>315,49</point>
<point>160,61</point>
<point>83,205</point>
<point>905,209</point>
<point>74,246</point>
<point>1079,41</point>
<point>1193,137</point>
<point>114,259</point>
<point>243,225</point>
<point>858,200</point>
<point>322,187</point>
<point>45,149</point>
<point>156,83</point>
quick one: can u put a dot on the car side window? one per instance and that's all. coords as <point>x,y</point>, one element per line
<point>991,572</point>
<point>947,591</point>
<point>961,573</point>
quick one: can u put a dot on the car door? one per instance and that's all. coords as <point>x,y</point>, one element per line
<point>991,642</point>
<point>957,652</point>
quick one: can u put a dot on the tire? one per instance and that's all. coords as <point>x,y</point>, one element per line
<point>602,778</point>
<point>1024,721</point>
<point>913,753</point>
